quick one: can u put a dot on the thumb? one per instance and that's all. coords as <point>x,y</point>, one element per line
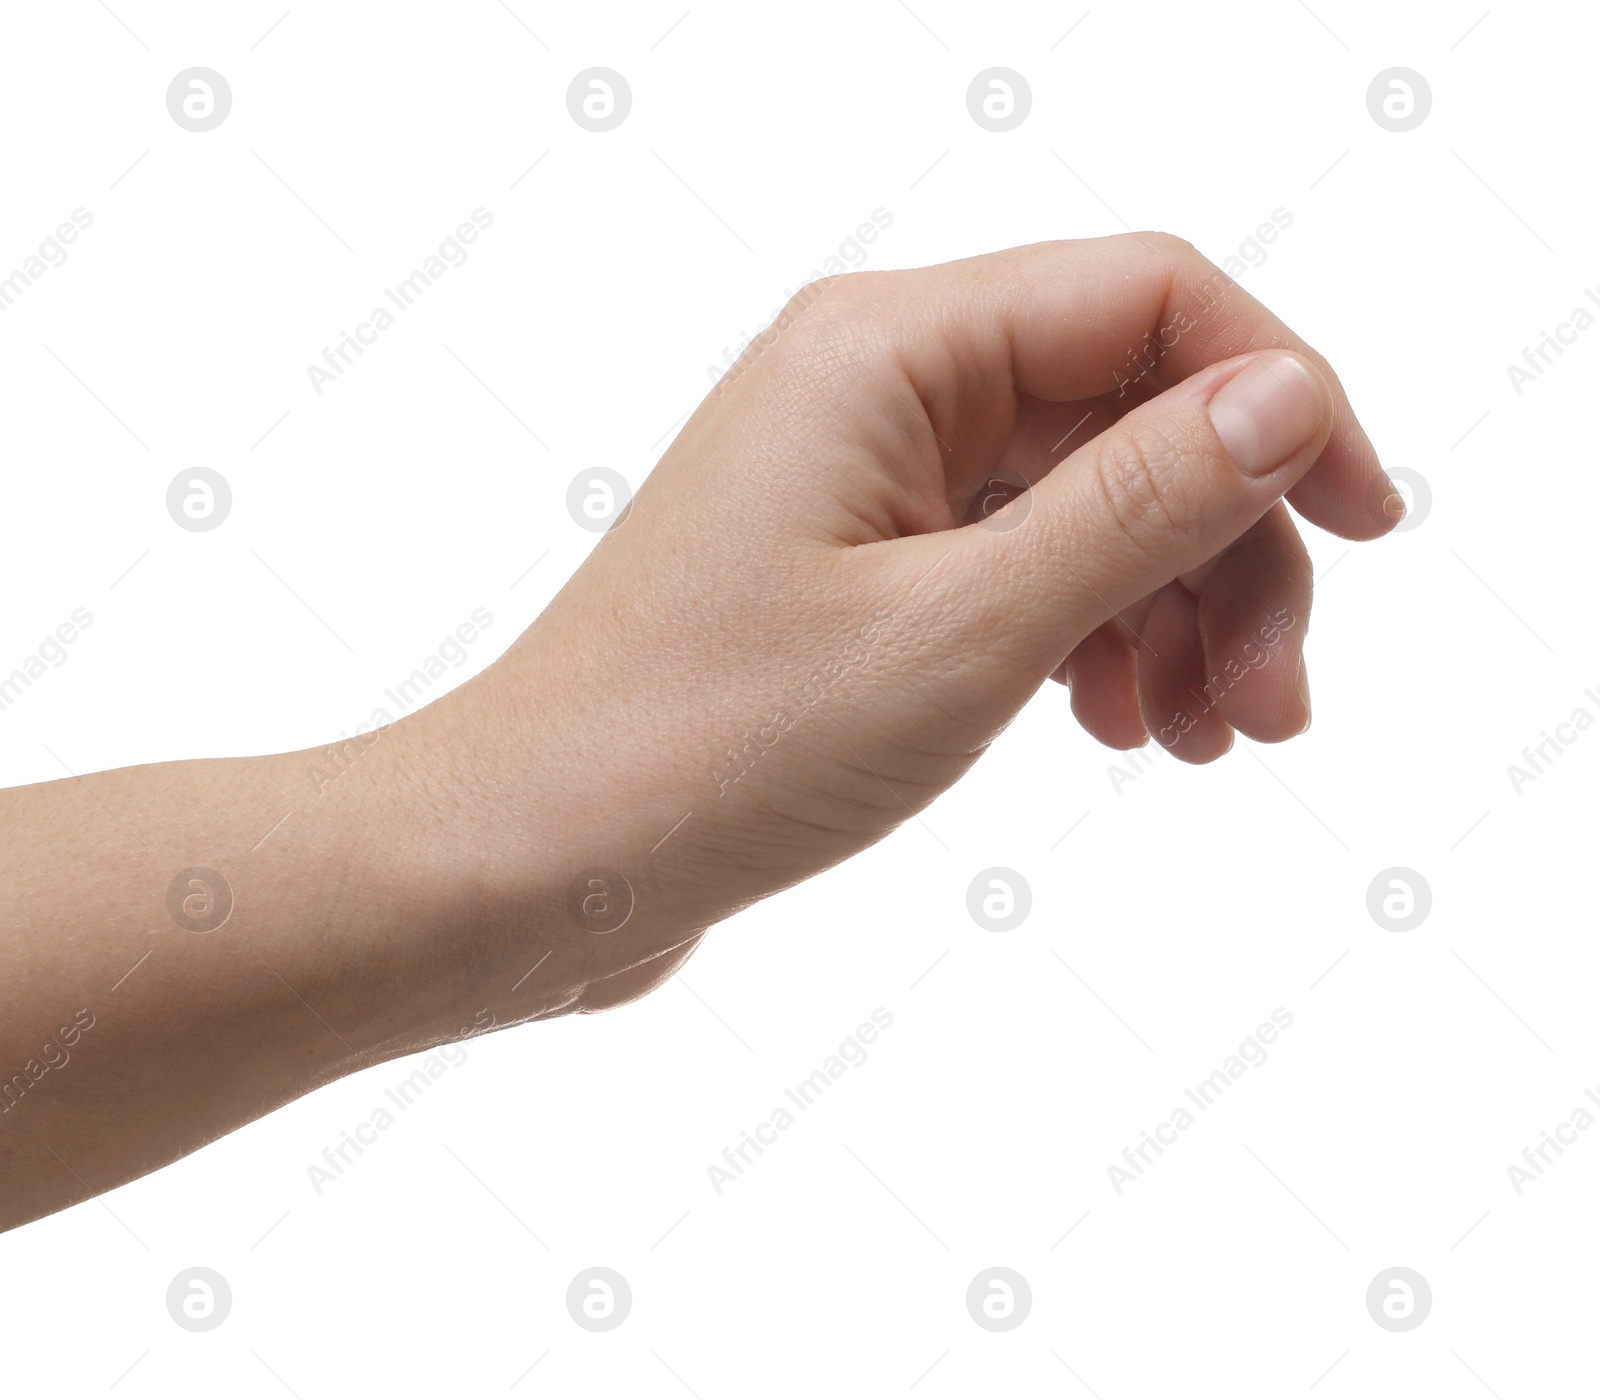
<point>1174,482</point>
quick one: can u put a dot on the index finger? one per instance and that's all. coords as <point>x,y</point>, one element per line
<point>1084,318</point>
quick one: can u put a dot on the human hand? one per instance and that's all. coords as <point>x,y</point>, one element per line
<point>820,609</point>
<point>824,604</point>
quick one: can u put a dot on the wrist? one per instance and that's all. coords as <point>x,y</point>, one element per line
<point>530,882</point>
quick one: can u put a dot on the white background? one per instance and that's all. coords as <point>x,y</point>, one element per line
<point>1192,902</point>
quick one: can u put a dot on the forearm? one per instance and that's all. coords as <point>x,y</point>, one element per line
<point>371,913</point>
<point>459,870</point>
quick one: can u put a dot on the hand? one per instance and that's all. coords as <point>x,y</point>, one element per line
<point>824,604</point>
<point>831,595</point>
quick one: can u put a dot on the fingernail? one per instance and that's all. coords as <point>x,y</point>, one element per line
<point>1267,412</point>
<point>1303,686</point>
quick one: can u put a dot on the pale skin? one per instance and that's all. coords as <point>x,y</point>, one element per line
<point>812,546</point>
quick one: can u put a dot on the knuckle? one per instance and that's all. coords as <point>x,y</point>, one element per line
<point>834,320</point>
<point>824,327</point>
<point>1138,478</point>
<point>832,327</point>
<point>1170,245</point>
<point>1186,267</point>
<point>848,297</point>
<point>1301,575</point>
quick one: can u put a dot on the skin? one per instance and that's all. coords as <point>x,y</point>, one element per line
<point>826,513</point>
